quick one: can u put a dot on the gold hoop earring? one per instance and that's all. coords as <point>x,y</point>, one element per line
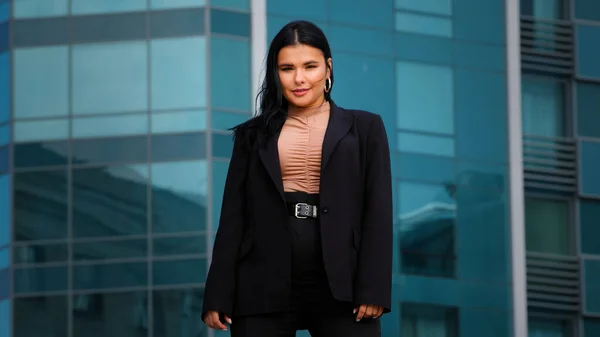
<point>328,87</point>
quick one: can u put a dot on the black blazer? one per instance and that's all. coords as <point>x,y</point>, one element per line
<point>250,270</point>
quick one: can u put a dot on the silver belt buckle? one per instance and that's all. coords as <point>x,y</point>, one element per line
<point>297,209</point>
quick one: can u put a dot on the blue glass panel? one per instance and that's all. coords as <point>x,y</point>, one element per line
<point>79,7</point>
<point>163,4</point>
<point>42,154</point>
<point>314,10</point>
<point>430,290</point>
<point>363,13</point>
<point>546,9</point>
<point>183,121</point>
<point>591,274</point>
<point>5,318</point>
<point>4,134</point>
<point>42,279</point>
<point>179,196</point>
<point>183,245</point>
<point>428,320</point>
<point>588,101</point>
<point>37,96</point>
<point>177,23</point>
<point>110,276</point>
<point>423,24</point>
<point>219,175</point>
<point>39,8</point>
<point>49,312</point>
<point>230,74</point>
<point>362,41</point>
<point>39,253</point>
<point>178,71</point>
<point>230,23</point>
<point>588,51</point>
<point>543,106</point>
<point>110,77</point>
<point>422,48</point>
<point>5,95</point>
<point>479,56</point>
<point>476,174</point>
<point>173,272</point>
<point>105,28</point>
<point>4,256</point>
<point>425,97</point>
<point>475,322</point>
<point>483,235</point>
<point>480,104</point>
<point>4,15</point>
<point>426,229</point>
<point>4,283</point>
<point>221,120</point>
<point>110,201</point>
<point>587,10</point>
<point>5,210</point>
<point>27,131</point>
<point>589,213</point>
<point>440,7</point>
<point>235,4</point>
<point>4,36</point>
<point>373,78</point>
<point>4,159</point>
<point>107,126</point>
<point>591,327</point>
<point>182,321</point>
<point>431,169</point>
<point>478,21</point>
<point>590,166</point>
<point>110,150</point>
<point>46,32</point>
<point>178,147</point>
<point>222,145</point>
<point>426,144</point>
<point>110,249</point>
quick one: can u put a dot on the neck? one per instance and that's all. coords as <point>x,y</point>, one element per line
<point>307,111</point>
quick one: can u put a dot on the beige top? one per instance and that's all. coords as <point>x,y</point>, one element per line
<point>300,146</point>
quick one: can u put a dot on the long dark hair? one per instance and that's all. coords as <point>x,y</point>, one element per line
<point>271,104</point>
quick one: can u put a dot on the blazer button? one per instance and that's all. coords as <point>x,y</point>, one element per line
<point>324,210</point>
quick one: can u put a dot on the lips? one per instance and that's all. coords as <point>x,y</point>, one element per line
<point>300,92</point>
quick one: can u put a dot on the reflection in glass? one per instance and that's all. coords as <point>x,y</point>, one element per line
<point>123,314</point>
<point>40,279</point>
<point>107,126</point>
<point>176,313</point>
<point>178,147</point>
<point>105,28</point>
<point>420,320</point>
<point>110,276</point>
<point>40,205</point>
<point>230,73</point>
<point>177,23</point>
<point>543,105</point>
<point>41,253</point>
<point>110,201</point>
<point>547,226</point>
<point>185,245</point>
<point>229,23</point>
<point>41,154</point>
<point>37,96</point>
<point>110,77</point>
<point>178,69</point>
<point>48,312</point>
<point>440,7</point>
<point>179,196</point>
<point>545,9</point>
<point>27,131</point>
<point>426,229</point>
<point>110,249</point>
<point>181,121</point>
<point>424,24</point>
<point>424,168</point>
<point>5,210</point>
<point>541,327</point>
<point>39,8</point>
<point>174,272</point>
<point>110,150</point>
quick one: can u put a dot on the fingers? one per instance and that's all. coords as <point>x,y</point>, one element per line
<point>368,311</point>
<point>212,320</point>
<point>361,312</point>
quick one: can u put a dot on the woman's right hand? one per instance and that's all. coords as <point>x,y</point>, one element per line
<point>211,318</point>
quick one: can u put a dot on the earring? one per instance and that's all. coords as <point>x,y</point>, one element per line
<point>328,87</point>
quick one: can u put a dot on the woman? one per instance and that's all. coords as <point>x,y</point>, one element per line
<point>305,235</point>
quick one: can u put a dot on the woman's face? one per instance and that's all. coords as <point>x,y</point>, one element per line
<point>302,72</point>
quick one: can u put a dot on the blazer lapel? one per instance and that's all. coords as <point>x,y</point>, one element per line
<point>339,124</point>
<point>269,154</point>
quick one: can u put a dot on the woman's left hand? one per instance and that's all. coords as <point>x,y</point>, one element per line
<point>368,311</point>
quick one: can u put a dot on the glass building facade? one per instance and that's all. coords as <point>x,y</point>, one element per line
<point>114,150</point>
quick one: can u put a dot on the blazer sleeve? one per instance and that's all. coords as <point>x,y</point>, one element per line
<point>220,283</point>
<point>374,272</point>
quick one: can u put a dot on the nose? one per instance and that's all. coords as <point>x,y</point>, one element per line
<point>299,76</point>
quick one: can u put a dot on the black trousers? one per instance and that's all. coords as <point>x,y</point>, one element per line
<point>313,308</point>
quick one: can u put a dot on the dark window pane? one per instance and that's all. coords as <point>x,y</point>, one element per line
<point>476,174</point>
<point>179,194</point>
<point>179,22</point>
<point>40,32</point>
<point>49,314</point>
<point>123,314</point>
<point>178,147</point>
<point>587,10</point>
<point>589,213</point>
<point>591,327</point>
<point>549,327</point>
<point>429,320</point>
<point>543,105</point>
<point>110,276</point>
<point>426,235</point>
<point>591,274</point>
<point>5,212</point>
<point>231,23</point>
<point>4,159</point>
<point>5,87</point>
<point>423,168</point>
<point>589,168</point>
<point>4,37</point>
<point>110,249</point>
<point>4,284</point>
<point>110,150</point>
<point>116,27</point>
<point>187,245</point>
<point>40,205</point>
<point>4,257</point>
<point>547,226</point>
<point>230,74</point>
<point>222,145</point>
<point>41,154</point>
<point>175,313</point>
<point>110,201</point>
<point>588,51</point>
<point>545,9</point>
<point>41,253</point>
<point>42,279</point>
<point>173,272</point>
<point>588,101</point>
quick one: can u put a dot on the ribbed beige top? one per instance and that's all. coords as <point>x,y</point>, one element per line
<point>300,145</point>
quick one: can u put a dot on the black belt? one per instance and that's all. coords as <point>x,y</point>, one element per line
<point>302,210</point>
